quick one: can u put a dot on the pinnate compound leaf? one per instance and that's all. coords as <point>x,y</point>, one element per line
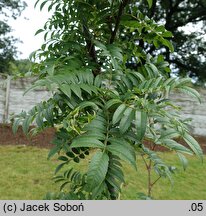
<point>97,169</point>
<point>123,150</point>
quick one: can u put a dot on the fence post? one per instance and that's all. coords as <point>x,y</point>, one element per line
<point>6,108</point>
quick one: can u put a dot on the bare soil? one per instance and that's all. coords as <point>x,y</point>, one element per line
<point>44,138</point>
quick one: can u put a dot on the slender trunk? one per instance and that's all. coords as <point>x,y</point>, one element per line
<point>149,193</point>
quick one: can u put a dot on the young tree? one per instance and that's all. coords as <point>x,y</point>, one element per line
<point>8,9</point>
<point>100,107</point>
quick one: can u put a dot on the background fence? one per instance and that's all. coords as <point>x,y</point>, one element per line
<point>12,101</point>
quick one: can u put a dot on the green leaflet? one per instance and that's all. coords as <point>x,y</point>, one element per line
<point>181,82</point>
<point>98,81</point>
<point>97,134</point>
<point>126,120</point>
<point>76,90</point>
<point>53,151</point>
<point>150,3</point>
<point>115,51</point>
<point>112,102</point>
<point>138,75</point>
<point>15,125</point>
<point>168,44</point>
<point>116,172</point>
<point>114,184</point>
<point>97,169</point>
<point>183,160</point>
<point>170,82</point>
<point>190,91</point>
<point>115,176</point>
<point>127,82</point>
<point>63,158</point>
<point>98,125</point>
<point>100,45</point>
<point>48,113</point>
<point>86,88</point>
<point>149,71</point>
<point>36,3</point>
<point>154,69</point>
<point>39,120</point>
<point>169,134</point>
<point>123,150</point>
<point>98,190</point>
<point>118,113</point>
<point>171,144</point>
<point>87,141</point>
<point>43,4</point>
<point>39,31</point>
<point>60,166</point>
<point>65,88</point>
<point>158,82</point>
<point>193,145</point>
<point>26,123</point>
<point>133,79</point>
<point>88,104</point>
<point>141,124</point>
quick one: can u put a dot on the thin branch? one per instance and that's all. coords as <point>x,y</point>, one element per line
<point>144,161</point>
<point>170,13</point>
<point>120,12</point>
<point>182,65</point>
<point>149,178</point>
<point>153,8</point>
<point>156,181</point>
<point>91,48</point>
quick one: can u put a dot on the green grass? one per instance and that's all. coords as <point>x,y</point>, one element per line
<point>27,174</point>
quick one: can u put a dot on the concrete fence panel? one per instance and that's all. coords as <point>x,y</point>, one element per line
<point>12,101</point>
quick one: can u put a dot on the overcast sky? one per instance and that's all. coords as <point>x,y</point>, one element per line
<point>24,29</point>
